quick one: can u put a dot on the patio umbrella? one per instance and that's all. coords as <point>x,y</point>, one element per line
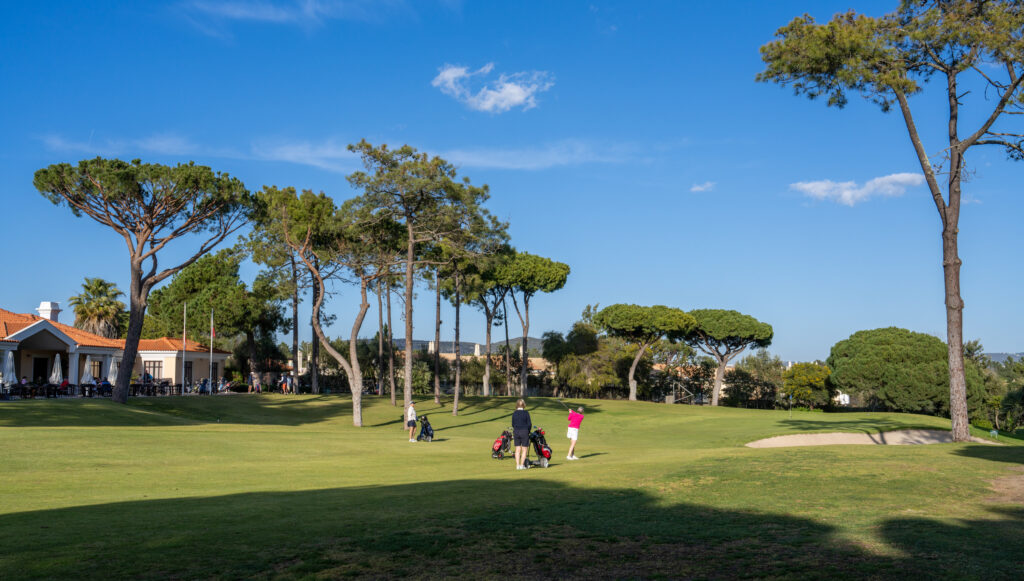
<point>56,376</point>
<point>87,375</point>
<point>112,372</point>
<point>9,377</point>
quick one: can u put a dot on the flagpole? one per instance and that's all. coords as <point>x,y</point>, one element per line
<point>211,352</point>
<point>184,320</point>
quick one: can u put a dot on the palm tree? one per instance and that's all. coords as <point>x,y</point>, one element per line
<point>97,309</point>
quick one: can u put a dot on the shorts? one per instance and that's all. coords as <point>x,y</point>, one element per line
<point>573,434</point>
<point>410,424</point>
<point>521,438</point>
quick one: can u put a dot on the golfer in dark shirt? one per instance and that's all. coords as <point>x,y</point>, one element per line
<point>521,425</point>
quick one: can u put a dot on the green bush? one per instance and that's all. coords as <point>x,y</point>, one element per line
<point>899,370</point>
<point>982,424</point>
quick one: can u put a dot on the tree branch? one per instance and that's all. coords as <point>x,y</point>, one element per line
<point>922,156</point>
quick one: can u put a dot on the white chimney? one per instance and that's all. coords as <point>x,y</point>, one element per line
<point>476,350</point>
<point>49,310</point>
<point>430,346</point>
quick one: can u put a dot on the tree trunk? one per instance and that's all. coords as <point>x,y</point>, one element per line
<point>951,275</point>
<point>391,351</point>
<point>380,340</point>
<point>508,351</point>
<point>954,335</point>
<point>489,316</point>
<point>355,373</point>
<point>314,349</point>
<point>295,323</point>
<point>350,365</point>
<point>950,216</point>
<point>136,316</point>
<point>632,371</point>
<point>524,318</point>
<point>410,256</point>
<point>437,340</point>
<point>719,377</point>
<point>458,347</point>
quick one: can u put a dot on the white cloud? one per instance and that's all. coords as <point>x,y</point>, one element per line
<point>507,92</point>
<point>330,155</point>
<point>559,153</point>
<point>704,187</point>
<point>257,11</point>
<point>212,16</point>
<point>159,144</point>
<point>333,155</point>
<point>849,193</point>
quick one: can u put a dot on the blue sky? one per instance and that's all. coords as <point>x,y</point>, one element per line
<point>627,139</point>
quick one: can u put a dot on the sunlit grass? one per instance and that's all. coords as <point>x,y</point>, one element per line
<point>285,487</point>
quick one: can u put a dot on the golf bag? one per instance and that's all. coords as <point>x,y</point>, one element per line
<point>503,445</point>
<point>540,447</point>
<point>426,430</point>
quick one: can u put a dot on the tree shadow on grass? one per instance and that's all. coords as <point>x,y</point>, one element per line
<point>535,405</point>
<point>468,406</point>
<point>175,411</point>
<point>1008,454</point>
<point>235,409</point>
<point>519,527</point>
<point>870,426</point>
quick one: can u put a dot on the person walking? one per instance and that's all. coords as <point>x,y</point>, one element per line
<point>575,419</point>
<point>521,424</point>
<point>410,420</point>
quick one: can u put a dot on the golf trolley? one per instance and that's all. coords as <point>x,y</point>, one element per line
<point>502,446</point>
<point>426,430</point>
<point>540,446</point>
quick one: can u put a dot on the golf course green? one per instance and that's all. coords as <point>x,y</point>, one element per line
<point>284,487</point>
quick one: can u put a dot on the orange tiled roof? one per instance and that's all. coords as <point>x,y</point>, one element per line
<point>174,344</point>
<point>11,323</point>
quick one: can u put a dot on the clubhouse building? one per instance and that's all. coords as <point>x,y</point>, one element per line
<point>40,341</point>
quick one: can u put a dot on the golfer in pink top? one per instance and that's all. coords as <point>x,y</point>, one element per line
<point>575,419</point>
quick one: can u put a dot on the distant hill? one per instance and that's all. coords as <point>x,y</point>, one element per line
<point>1001,357</point>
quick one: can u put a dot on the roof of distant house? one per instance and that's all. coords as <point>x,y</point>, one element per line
<point>174,344</point>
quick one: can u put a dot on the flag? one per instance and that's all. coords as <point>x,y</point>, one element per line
<point>213,332</point>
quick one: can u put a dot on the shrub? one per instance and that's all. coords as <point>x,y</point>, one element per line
<point>806,383</point>
<point>982,424</point>
<point>899,370</point>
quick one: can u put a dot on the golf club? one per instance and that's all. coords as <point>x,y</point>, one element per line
<point>563,403</point>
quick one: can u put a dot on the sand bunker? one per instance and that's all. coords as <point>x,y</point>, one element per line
<point>896,438</point>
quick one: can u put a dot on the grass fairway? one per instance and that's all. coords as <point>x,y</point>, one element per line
<point>275,487</point>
